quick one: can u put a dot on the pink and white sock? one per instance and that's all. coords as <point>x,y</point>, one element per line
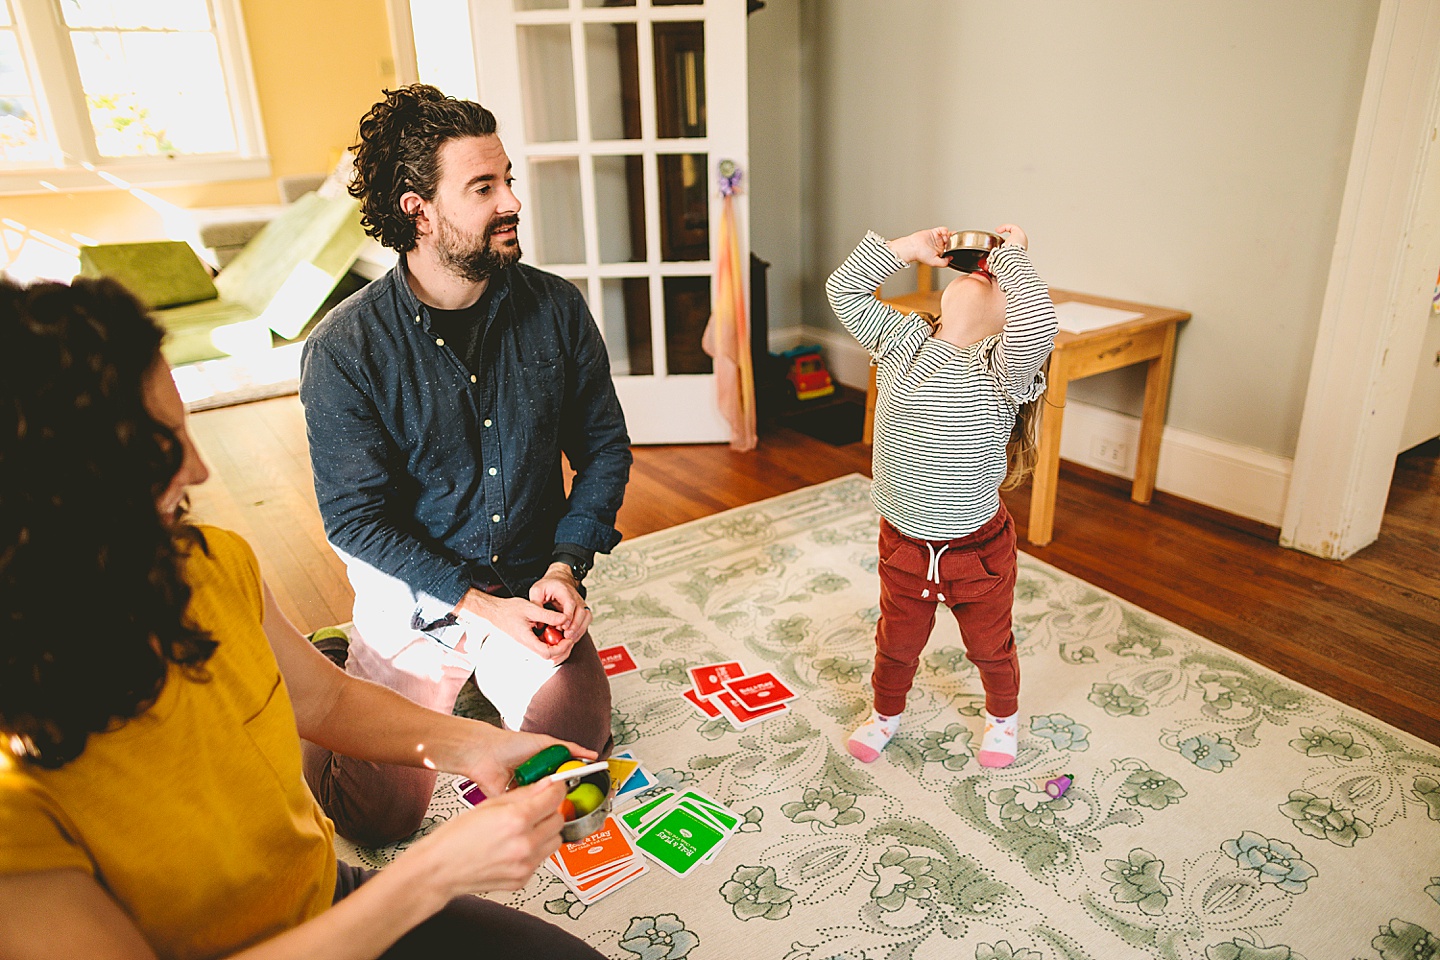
<point>1000,741</point>
<point>866,742</point>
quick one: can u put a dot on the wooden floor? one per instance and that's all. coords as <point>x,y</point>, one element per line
<point>1365,631</point>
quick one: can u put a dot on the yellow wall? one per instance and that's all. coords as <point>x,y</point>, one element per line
<point>318,65</point>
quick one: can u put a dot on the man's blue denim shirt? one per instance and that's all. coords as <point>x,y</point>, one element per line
<point>425,472</point>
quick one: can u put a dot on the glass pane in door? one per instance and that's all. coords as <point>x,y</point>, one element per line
<point>680,79</point>
<point>547,75</point>
<point>687,311</point>
<point>684,206</point>
<point>541,4</point>
<point>612,66</point>
<point>555,210</point>
<point>609,3</point>
<point>620,208</point>
<point>627,325</point>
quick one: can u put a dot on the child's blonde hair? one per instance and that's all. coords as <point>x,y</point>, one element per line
<point>1022,450</point>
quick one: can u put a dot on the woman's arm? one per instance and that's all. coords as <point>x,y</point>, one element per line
<point>371,722</point>
<point>62,914</point>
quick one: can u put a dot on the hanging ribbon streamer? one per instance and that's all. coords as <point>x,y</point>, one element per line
<point>727,335</point>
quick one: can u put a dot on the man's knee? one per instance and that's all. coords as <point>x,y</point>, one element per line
<point>371,804</point>
<point>574,704</point>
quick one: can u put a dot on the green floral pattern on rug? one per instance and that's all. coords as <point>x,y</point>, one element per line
<point>1218,810</point>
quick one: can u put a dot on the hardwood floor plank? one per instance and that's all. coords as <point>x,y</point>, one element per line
<point>1365,631</point>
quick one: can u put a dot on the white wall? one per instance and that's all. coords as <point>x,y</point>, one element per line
<point>774,178</point>
<point>1190,154</point>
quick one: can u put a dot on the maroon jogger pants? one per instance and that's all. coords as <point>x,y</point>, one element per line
<point>974,576</point>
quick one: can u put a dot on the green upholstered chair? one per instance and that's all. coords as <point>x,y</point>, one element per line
<point>278,282</point>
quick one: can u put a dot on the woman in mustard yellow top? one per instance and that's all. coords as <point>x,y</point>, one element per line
<point>153,697</point>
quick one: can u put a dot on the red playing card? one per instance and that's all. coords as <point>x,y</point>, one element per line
<point>617,660</point>
<point>741,715</point>
<point>702,704</point>
<point>760,690</point>
<point>710,678</point>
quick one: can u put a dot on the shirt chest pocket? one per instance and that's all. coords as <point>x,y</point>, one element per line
<point>538,399</point>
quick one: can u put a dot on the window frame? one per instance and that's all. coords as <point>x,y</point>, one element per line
<point>62,112</point>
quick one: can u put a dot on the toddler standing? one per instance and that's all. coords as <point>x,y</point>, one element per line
<point>954,422</point>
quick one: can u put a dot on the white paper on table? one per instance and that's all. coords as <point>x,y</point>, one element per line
<point>1078,317</point>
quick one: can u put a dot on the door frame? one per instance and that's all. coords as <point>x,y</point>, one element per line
<point>1377,298</point>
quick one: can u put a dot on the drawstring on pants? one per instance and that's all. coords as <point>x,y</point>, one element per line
<point>932,572</point>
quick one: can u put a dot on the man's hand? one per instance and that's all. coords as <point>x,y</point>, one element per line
<point>517,618</point>
<point>559,591</point>
<point>923,246</point>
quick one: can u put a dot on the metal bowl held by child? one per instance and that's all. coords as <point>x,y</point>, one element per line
<point>968,250</point>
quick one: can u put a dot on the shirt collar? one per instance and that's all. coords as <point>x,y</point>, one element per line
<point>498,289</point>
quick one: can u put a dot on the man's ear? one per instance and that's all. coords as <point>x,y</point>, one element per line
<point>413,205</point>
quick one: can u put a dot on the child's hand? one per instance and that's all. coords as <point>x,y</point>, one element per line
<point>1014,234</point>
<point>924,246</point>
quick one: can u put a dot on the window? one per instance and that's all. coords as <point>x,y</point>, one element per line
<point>144,91</point>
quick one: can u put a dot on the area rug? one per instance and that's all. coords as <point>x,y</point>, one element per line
<point>1218,810</point>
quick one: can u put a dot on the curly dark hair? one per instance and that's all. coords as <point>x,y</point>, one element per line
<point>399,151</point>
<point>91,589</point>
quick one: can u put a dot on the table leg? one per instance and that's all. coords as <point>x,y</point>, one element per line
<point>1047,465</point>
<point>1152,419</point>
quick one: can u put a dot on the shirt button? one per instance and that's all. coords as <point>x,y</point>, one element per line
<point>495,518</point>
<point>493,471</point>
<point>472,378</point>
<point>439,341</point>
<point>417,318</point>
<point>495,559</point>
<point>488,422</point>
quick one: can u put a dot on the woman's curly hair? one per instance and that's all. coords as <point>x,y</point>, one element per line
<point>90,582</point>
<point>399,151</point>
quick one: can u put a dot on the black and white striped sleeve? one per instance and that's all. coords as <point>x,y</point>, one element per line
<point>1030,324</point>
<point>851,290</point>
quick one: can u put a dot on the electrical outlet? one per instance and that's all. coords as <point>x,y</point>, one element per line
<point>1111,452</point>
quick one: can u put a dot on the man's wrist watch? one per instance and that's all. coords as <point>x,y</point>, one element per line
<point>579,566</point>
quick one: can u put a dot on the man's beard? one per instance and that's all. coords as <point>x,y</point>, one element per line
<point>476,261</point>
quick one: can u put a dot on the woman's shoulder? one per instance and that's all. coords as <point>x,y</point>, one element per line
<point>214,555</point>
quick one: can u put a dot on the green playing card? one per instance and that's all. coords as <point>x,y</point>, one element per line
<point>679,840</point>
<point>635,817</point>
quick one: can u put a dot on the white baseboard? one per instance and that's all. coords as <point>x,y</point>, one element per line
<point>1227,476</point>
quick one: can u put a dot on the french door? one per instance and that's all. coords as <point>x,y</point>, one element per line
<point>616,115</point>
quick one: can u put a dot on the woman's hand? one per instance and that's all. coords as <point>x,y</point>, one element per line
<point>923,246</point>
<point>1014,234</point>
<point>495,754</point>
<point>496,846</point>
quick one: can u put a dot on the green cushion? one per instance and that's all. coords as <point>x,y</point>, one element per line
<point>162,273</point>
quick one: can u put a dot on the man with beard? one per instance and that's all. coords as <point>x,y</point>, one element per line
<point>438,401</point>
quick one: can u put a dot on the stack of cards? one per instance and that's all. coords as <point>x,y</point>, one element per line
<point>744,699</point>
<point>680,830</point>
<point>600,864</point>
